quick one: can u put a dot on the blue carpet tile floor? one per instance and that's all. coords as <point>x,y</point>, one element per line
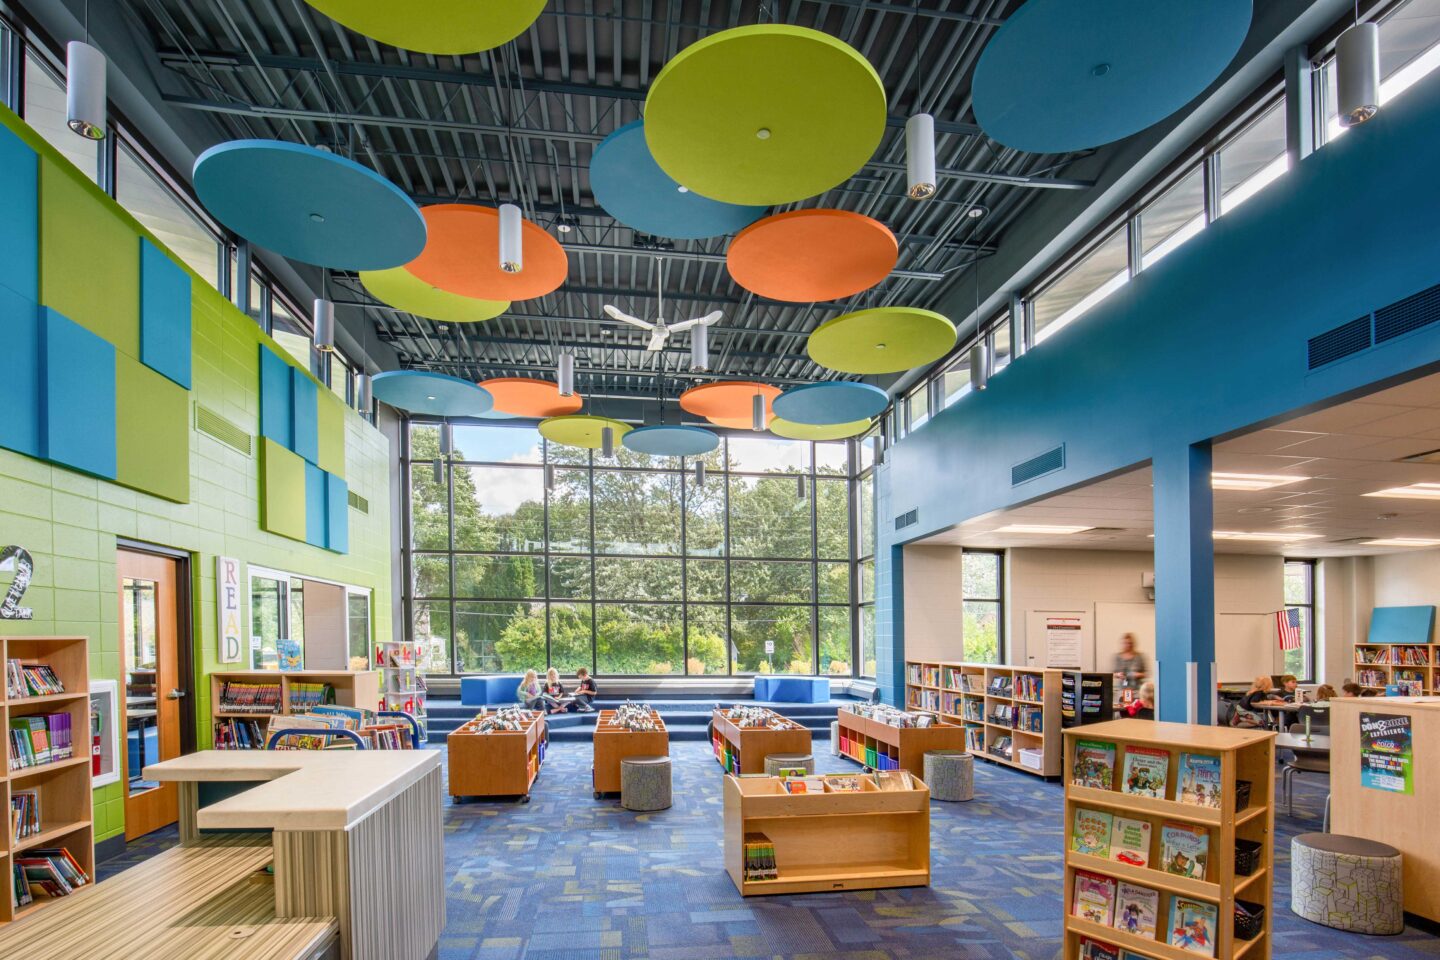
<point>567,877</point>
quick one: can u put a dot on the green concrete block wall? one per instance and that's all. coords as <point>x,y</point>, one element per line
<point>69,523</point>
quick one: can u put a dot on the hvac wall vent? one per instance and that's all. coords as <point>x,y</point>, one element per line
<point>1407,315</point>
<point>359,503</point>
<point>1048,462</point>
<point>908,518</point>
<point>211,424</point>
<point>1341,342</point>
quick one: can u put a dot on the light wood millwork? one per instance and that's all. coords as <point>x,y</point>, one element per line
<point>905,746</point>
<point>613,744</point>
<point>961,693</point>
<point>751,745</point>
<point>495,764</point>
<point>353,688</point>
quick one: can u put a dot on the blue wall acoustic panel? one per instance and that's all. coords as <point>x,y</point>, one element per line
<point>1401,624</point>
<point>275,400</point>
<point>315,511</point>
<point>337,509</point>
<point>20,373</point>
<point>20,217</point>
<point>304,416</point>
<point>164,315</point>
<point>78,422</point>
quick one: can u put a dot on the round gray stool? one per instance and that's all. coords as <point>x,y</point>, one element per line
<point>645,783</point>
<point>775,762</point>
<point>835,737</point>
<point>1346,883</point>
<point>950,774</point>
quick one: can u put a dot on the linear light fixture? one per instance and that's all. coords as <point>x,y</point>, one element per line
<point>1051,528</point>
<point>1250,481</point>
<point>1401,542</point>
<point>1259,536</point>
<point>1415,491</point>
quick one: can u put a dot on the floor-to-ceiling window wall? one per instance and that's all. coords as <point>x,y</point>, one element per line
<point>526,554</point>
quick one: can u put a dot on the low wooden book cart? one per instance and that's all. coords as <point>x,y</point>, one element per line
<point>498,763</point>
<point>881,746</point>
<point>614,743</point>
<point>744,749</point>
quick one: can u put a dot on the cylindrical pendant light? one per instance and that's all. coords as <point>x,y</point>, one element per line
<point>607,442</point>
<point>447,440</point>
<point>1357,73</point>
<point>438,471</point>
<point>565,374</point>
<point>324,318</point>
<point>699,473</point>
<point>700,347</point>
<point>85,90</point>
<point>364,399</point>
<point>549,476</point>
<point>979,367</point>
<point>800,487</point>
<point>511,255</point>
<point>920,156</point>
<point>757,412</point>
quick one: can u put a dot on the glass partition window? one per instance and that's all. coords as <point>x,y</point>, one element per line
<point>523,554</point>
<point>44,109</point>
<point>1300,596</point>
<point>1253,158</point>
<point>151,201</point>
<point>1172,218</point>
<point>982,577</point>
<point>1094,277</point>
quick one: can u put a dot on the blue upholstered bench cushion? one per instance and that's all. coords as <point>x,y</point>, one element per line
<point>783,689</point>
<point>490,690</point>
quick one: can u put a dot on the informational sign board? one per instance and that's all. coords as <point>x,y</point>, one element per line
<point>1387,753</point>
<point>228,602</point>
<point>1063,642</point>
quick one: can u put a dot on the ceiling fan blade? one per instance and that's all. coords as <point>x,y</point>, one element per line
<point>617,314</point>
<point>657,339</point>
<point>704,321</point>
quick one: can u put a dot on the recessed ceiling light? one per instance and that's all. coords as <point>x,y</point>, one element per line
<point>684,189</point>
<point>429,398</point>
<point>1250,481</point>
<point>1055,528</point>
<point>317,218</point>
<point>1401,542</point>
<point>1277,536</point>
<point>1416,491</point>
<point>975,212</point>
<point>562,227</point>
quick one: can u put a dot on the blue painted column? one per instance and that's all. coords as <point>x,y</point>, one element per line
<point>1184,584</point>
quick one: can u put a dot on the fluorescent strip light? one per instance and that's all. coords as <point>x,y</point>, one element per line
<point>1250,481</point>
<point>1057,528</point>
<point>1416,491</point>
<point>1280,536</point>
<point>1401,542</point>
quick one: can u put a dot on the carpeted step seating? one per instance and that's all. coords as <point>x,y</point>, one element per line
<point>645,783</point>
<point>950,774</point>
<point>1347,883</point>
<point>775,762</point>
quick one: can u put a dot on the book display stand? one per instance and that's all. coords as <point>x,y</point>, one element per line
<point>489,761</point>
<point>882,746</point>
<point>615,740</point>
<point>256,695</point>
<point>1011,715</point>
<point>743,741</point>
<point>402,680</point>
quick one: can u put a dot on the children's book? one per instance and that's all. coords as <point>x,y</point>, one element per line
<point>1145,771</point>
<point>1193,924</point>
<point>1095,950</point>
<point>290,654</point>
<point>1130,841</point>
<point>1094,764</point>
<point>1091,833</point>
<point>1094,898</point>
<point>1135,909</point>
<point>1184,850</point>
<point>1199,779</point>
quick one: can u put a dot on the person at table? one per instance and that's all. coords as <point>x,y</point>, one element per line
<point>1129,662</point>
<point>1288,685</point>
<point>530,693</point>
<point>1350,689</point>
<point>584,691</point>
<point>1325,692</point>
<point>554,693</point>
<point>1250,713</point>
<point>1143,707</point>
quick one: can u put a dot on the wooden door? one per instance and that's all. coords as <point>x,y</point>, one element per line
<point>149,660</point>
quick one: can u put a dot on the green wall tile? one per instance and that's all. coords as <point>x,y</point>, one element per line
<point>332,434</point>
<point>152,431</point>
<point>283,483</point>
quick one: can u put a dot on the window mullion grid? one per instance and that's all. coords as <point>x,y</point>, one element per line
<point>546,471</point>
<point>814,565</point>
<point>684,574</point>
<point>594,626</point>
<point>729,549</point>
<point>449,476</point>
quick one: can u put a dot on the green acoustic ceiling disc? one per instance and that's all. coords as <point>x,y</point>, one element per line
<point>435,26</point>
<point>881,340</point>
<point>402,290</point>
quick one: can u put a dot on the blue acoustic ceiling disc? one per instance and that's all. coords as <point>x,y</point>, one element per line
<point>309,205</point>
<point>1065,75</point>
<point>671,441</point>
<point>831,402</point>
<point>633,189</point>
<point>433,394</point>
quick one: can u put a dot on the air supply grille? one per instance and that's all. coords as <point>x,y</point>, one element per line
<point>906,519</point>
<point>1340,342</point>
<point>211,424</point>
<point>1407,315</point>
<point>359,503</point>
<point>1047,462</point>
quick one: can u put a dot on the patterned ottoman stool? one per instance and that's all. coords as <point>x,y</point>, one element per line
<point>775,762</point>
<point>835,737</point>
<point>1347,883</point>
<point>950,774</point>
<point>645,783</point>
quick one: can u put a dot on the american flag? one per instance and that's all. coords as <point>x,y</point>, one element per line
<point>1287,625</point>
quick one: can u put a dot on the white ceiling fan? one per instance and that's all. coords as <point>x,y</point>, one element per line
<point>659,330</point>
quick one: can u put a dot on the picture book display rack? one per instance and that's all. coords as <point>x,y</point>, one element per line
<point>1011,715</point>
<point>402,680</point>
<point>1151,869</point>
<point>881,746</point>
<point>743,749</point>
<point>499,763</point>
<point>614,743</point>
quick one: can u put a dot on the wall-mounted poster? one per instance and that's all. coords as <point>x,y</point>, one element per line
<point>1063,637</point>
<point>1387,760</point>
<point>227,608</point>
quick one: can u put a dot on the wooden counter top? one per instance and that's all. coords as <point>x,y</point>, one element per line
<point>306,789</point>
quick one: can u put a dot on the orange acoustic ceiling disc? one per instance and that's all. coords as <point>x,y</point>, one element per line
<point>808,255</point>
<point>462,255</point>
<point>728,403</point>
<point>527,397</point>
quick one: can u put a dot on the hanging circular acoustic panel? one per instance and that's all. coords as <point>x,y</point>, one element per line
<point>402,290</point>
<point>672,441</point>
<point>829,403</point>
<point>528,397</point>
<point>808,255</point>
<point>765,114</point>
<point>633,189</point>
<point>462,255</point>
<point>432,394</point>
<point>443,27</point>
<point>309,205</point>
<point>791,430</point>
<point>728,403</point>
<point>1064,75</point>
<point>582,430</point>
<point>881,340</point>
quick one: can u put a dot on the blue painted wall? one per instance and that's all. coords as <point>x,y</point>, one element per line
<point>1209,341</point>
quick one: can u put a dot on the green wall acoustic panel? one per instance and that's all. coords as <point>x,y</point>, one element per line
<point>87,257</point>
<point>164,314</point>
<point>20,226</point>
<point>316,513</point>
<point>282,491</point>
<point>78,416</point>
<point>152,431</point>
<point>332,434</point>
<point>304,417</point>
<point>275,398</point>
<point>337,509</point>
<point>20,373</point>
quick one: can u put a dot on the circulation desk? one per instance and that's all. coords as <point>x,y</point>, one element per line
<point>747,747</point>
<point>614,743</point>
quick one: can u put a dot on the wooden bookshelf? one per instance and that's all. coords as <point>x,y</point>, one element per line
<point>613,744</point>
<point>402,680</point>
<point>744,749</point>
<point>500,764</point>
<point>353,688</point>
<point>881,746</point>
<point>973,696</point>
<point>1244,755</point>
<point>63,786</point>
<point>1387,663</point>
<point>861,840</point>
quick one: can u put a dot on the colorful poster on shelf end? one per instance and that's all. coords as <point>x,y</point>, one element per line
<point>1387,753</point>
<point>227,607</point>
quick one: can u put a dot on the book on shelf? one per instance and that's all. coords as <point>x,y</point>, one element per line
<point>1370,678</point>
<point>387,736</point>
<point>1094,764</point>
<point>351,718</point>
<point>51,872</point>
<point>24,814</point>
<point>1193,925</point>
<point>19,887</point>
<point>1199,779</point>
<point>1029,686</point>
<point>40,739</point>
<point>237,734</point>
<point>1000,687</point>
<point>304,695</point>
<point>244,696</point>
<point>1091,949</point>
<point>1091,832</point>
<point>759,853</point>
<point>1031,720</point>
<point>1002,747</point>
<point>1135,909</point>
<point>1003,715</point>
<point>30,680</point>
<point>1145,771</point>
<point>1185,850</point>
<point>1094,898</point>
<point>975,738</point>
<point>1130,841</point>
